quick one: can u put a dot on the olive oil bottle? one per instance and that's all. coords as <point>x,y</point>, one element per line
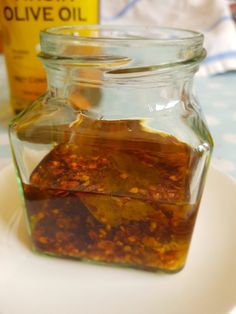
<point>21,22</point>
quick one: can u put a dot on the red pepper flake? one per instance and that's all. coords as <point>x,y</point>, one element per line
<point>92,166</point>
<point>173,178</point>
<point>43,240</point>
<point>92,235</point>
<point>85,177</point>
<point>71,184</point>
<point>55,163</point>
<point>134,190</point>
<point>124,175</point>
<point>131,239</point>
<point>74,165</point>
<point>95,158</point>
<point>127,248</point>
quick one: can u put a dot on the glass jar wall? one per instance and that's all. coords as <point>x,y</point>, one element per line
<point>112,159</point>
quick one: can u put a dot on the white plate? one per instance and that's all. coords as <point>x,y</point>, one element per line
<point>33,284</point>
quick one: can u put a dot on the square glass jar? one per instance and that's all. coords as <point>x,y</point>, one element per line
<point>112,159</point>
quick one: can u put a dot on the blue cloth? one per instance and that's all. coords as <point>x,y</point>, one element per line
<point>217,96</point>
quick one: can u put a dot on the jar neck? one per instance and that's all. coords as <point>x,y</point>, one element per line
<point>85,91</point>
<point>62,80</point>
<point>61,77</point>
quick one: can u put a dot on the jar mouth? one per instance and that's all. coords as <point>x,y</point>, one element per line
<point>130,34</point>
<point>109,48</point>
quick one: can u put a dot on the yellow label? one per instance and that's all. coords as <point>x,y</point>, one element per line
<point>21,22</point>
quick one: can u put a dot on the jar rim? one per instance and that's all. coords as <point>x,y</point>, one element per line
<point>122,33</point>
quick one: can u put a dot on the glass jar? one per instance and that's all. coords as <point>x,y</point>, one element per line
<point>112,159</point>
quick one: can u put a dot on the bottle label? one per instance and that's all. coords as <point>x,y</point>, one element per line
<point>21,22</point>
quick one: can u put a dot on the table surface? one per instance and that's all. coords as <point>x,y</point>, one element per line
<point>217,96</point>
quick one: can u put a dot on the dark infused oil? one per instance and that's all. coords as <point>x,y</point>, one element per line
<point>114,192</point>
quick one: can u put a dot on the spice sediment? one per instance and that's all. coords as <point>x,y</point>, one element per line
<point>115,202</point>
